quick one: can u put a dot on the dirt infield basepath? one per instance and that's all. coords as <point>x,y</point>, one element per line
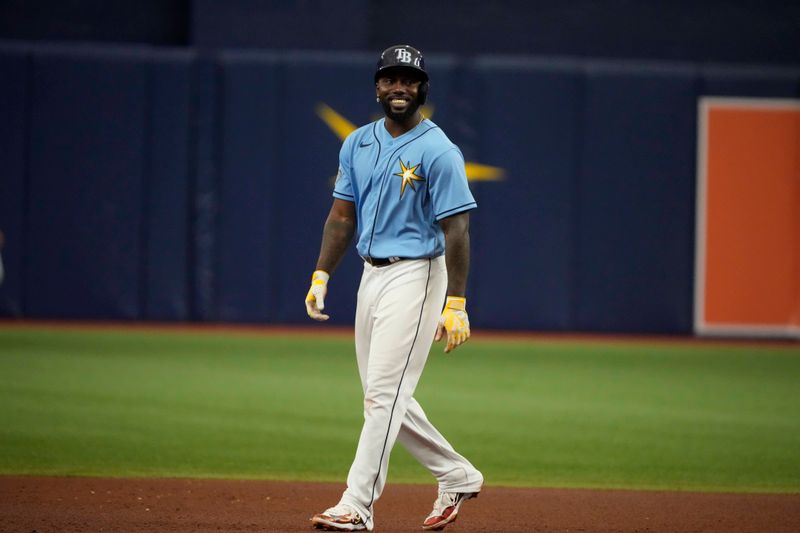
<point>71,504</point>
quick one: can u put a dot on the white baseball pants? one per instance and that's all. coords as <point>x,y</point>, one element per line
<point>396,317</point>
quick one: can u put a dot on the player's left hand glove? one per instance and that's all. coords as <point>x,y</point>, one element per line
<point>455,322</point>
<point>315,299</point>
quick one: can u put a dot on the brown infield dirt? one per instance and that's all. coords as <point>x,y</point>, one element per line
<point>66,504</point>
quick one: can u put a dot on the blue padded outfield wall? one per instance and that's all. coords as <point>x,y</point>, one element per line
<point>163,184</point>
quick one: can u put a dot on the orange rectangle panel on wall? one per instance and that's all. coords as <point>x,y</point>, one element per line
<point>747,272</point>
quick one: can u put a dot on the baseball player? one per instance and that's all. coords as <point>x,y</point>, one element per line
<point>402,190</point>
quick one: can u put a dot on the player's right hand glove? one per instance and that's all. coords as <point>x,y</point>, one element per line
<point>315,299</point>
<point>455,322</point>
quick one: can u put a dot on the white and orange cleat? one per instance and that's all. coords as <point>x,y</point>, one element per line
<point>445,509</point>
<point>341,517</point>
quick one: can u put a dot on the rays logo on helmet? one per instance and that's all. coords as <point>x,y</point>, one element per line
<point>403,55</point>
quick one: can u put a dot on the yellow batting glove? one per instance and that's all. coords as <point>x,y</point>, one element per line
<point>455,322</point>
<point>315,299</point>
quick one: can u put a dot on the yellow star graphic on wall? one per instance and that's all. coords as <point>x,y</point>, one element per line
<point>409,177</point>
<point>343,127</point>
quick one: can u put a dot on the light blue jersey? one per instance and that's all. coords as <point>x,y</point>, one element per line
<point>401,188</point>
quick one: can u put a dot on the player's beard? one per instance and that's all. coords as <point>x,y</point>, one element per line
<point>412,107</point>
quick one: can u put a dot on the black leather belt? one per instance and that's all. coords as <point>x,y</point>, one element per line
<point>382,261</point>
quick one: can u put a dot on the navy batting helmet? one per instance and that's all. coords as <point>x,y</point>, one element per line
<point>404,56</point>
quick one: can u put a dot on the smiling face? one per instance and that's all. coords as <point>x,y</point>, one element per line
<point>398,92</point>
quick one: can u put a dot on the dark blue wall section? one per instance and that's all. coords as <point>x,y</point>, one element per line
<point>165,291</point>
<point>86,168</point>
<point>240,23</point>
<point>204,189</point>
<point>635,199</point>
<point>133,21</point>
<point>251,147</point>
<point>763,31</point>
<point>161,184</point>
<point>699,30</point>
<point>14,109</point>
<point>752,81</point>
<point>522,231</point>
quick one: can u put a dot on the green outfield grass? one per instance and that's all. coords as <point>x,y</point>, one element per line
<point>527,413</point>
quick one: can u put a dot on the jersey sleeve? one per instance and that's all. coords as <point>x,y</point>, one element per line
<point>448,186</point>
<point>343,188</point>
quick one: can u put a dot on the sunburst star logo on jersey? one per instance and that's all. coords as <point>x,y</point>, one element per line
<point>409,177</point>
